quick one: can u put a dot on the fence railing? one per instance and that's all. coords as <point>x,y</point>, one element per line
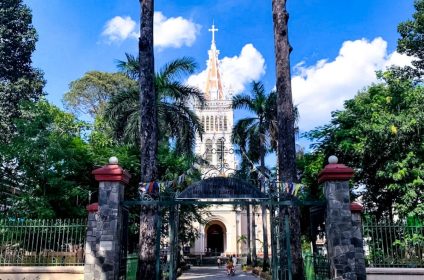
<point>393,244</point>
<point>26,242</point>
<point>316,267</point>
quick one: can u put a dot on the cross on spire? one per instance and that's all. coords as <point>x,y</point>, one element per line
<point>213,30</point>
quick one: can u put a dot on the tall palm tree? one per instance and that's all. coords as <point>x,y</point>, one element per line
<point>254,134</point>
<point>286,131</point>
<point>176,121</point>
<point>148,140</point>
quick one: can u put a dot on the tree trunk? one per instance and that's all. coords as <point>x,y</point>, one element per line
<point>286,131</point>
<point>148,140</point>
<point>254,256</point>
<point>249,244</point>
<point>265,265</point>
<point>147,260</point>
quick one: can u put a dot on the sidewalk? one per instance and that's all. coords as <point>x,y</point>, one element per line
<point>214,273</point>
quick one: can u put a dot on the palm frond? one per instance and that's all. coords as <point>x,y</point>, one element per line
<point>239,134</point>
<point>179,92</point>
<point>119,114</point>
<point>179,123</point>
<point>130,67</point>
<point>178,68</point>
<point>242,101</point>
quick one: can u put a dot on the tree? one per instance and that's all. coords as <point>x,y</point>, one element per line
<point>19,81</point>
<point>380,134</point>
<point>90,94</point>
<point>176,121</point>
<point>286,130</point>
<point>51,161</point>
<point>148,140</point>
<point>411,41</point>
<point>256,133</point>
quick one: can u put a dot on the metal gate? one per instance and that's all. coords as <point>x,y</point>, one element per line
<point>234,192</point>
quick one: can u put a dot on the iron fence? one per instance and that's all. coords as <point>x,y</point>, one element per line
<point>393,244</point>
<point>42,242</point>
<point>316,267</point>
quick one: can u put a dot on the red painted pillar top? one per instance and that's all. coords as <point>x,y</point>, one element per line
<point>356,207</point>
<point>111,172</point>
<point>93,207</point>
<point>334,171</point>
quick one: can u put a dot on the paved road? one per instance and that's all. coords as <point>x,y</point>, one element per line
<point>214,273</point>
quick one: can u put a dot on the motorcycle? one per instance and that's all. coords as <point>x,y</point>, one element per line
<point>232,271</point>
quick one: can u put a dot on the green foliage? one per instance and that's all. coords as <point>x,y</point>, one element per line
<point>177,122</point>
<point>242,239</point>
<point>48,162</point>
<point>102,146</point>
<point>19,81</point>
<point>18,39</point>
<point>309,165</point>
<point>256,135</point>
<point>90,94</point>
<point>380,134</point>
<point>411,41</point>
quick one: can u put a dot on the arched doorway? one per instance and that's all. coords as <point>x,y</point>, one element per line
<point>215,238</point>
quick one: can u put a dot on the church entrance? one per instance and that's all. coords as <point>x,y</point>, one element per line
<point>215,239</point>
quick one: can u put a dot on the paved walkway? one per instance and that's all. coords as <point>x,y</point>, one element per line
<point>214,273</point>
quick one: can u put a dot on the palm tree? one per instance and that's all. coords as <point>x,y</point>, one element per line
<point>286,131</point>
<point>176,120</point>
<point>252,135</point>
<point>148,140</point>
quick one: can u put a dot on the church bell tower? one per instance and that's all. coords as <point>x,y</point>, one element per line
<point>217,119</point>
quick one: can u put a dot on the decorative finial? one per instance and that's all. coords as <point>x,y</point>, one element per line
<point>213,30</point>
<point>333,159</point>
<point>113,160</point>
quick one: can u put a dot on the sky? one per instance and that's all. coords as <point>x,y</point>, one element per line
<point>337,44</point>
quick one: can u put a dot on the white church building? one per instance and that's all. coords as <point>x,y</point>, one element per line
<point>226,226</point>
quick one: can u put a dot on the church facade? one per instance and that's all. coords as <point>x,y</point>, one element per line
<point>225,230</point>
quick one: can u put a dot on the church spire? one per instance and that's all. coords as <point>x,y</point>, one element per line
<point>213,89</point>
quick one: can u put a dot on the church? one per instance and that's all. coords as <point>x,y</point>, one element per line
<point>225,230</point>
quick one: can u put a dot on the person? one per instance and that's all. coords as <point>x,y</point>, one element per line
<point>234,259</point>
<point>230,266</point>
<point>219,262</point>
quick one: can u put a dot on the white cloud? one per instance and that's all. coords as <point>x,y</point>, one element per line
<point>322,88</point>
<point>119,29</point>
<point>172,32</point>
<point>236,71</point>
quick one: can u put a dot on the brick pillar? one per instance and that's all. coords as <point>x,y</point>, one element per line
<point>90,241</point>
<point>358,241</point>
<point>338,221</point>
<point>103,257</point>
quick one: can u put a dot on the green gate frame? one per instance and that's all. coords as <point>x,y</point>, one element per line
<point>172,199</point>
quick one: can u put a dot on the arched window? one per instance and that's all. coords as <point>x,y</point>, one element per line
<point>225,123</point>
<point>220,123</point>
<point>220,149</point>
<point>212,121</point>
<point>207,123</point>
<point>216,123</point>
<point>208,145</point>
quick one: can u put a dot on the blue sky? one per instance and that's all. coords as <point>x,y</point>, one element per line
<point>337,44</point>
